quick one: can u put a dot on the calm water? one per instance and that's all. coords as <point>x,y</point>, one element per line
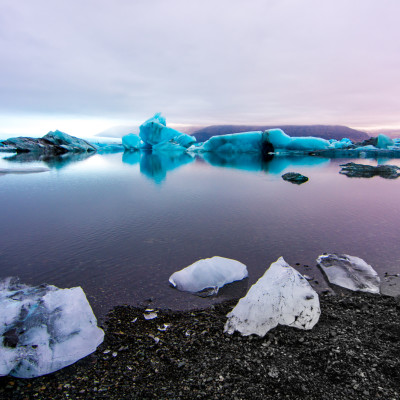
<point>120,224</point>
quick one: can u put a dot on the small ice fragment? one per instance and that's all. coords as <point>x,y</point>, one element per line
<point>212,272</point>
<point>164,328</point>
<point>151,315</point>
<point>106,351</point>
<point>134,320</point>
<point>155,338</point>
<point>114,354</point>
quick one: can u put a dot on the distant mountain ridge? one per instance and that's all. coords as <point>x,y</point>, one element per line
<point>324,131</point>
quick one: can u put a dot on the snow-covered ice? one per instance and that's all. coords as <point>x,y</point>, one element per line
<point>44,328</point>
<point>207,273</point>
<point>349,272</point>
<point>281,296</point>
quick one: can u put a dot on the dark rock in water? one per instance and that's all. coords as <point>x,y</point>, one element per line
<point>354,170</point>
<point>294,177</point>
<point>54,143</point>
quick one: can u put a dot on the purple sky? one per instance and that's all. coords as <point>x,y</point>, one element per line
<point>95,63</point>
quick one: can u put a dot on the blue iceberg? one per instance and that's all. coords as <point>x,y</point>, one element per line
<point>155,131</point>
<point>281,141</point>
<point>131,142</point>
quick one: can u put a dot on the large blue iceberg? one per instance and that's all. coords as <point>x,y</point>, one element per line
<point>154,131</point>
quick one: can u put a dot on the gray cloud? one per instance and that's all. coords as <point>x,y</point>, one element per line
<point>259,61</point>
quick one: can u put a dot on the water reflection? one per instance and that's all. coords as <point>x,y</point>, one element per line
<point>255,162</point>
<point>56,162</point>
<point>156,165</point>
<point>131,157</point>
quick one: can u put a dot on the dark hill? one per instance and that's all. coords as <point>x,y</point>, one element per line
<point>324,131</point>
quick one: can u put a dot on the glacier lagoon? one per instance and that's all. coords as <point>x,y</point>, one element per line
<point>119,225</point>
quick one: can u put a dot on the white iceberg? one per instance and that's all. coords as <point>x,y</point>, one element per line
<point>207,273</point>
<point>155,131</point>
<point>44,328</point>
<point>281,296</point>
<point>349,272</point>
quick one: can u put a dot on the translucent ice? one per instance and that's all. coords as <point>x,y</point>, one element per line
<point>212,272</point>
<point>43,328</point>
<point>131,142</point>
<point>281,296</point>
<point>384,142</point>
<point>246,142</point>
<point>349,272</point>
<point>281,141</point>
<point>154,131</point>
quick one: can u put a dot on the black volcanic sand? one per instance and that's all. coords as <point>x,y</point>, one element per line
<point>352,353</point>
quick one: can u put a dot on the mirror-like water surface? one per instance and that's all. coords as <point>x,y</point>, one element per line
<point>120,224</point>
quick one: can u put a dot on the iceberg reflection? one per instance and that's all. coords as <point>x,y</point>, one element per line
<point>156,165</point>
<point>56,162</point>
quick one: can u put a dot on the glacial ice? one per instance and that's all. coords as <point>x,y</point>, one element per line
<point>207,273</point>
<point>106,144</point>
<point>281,296</point>
<point>44,328</point>
<point>154,131</point>
<point>68,142</point>
<point>245,142</point>
<point>131,142</point>
<point>384,142</point>
<point>349,272</point>
<point>281,141</point>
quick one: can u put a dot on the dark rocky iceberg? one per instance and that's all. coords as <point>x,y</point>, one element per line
<point>54,143</point>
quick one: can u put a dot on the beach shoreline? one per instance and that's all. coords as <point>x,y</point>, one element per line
<point>352,353</point>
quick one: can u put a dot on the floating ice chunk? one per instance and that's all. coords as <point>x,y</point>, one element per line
<point>131,142</point>
<point>169,147</point>
<point>68,142</point>
<point>349,272</point>
<point>281,296</point>
<point>154,131</point>
<point>43,328</point>
<point>106,144</point>
<point>281,141</point>
<point>384,142</point>
<point>212,272</point>
<point>342,144</point>
<point>185,140</point>
<point>245,142</point>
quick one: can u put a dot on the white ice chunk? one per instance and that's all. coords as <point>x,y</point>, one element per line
<point>349,272</point>
<point>212,272</point>
<point>43,329</point>
<point>281,296</point>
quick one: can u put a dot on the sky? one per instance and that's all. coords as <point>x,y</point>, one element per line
<point>85,66</point>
